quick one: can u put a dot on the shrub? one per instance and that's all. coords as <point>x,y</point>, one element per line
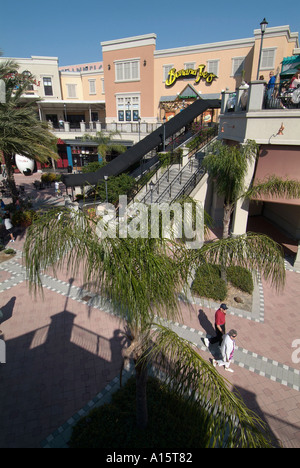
<point>208,283</point>
<point>23,217</point>
<point>49,177</point>
<point>240,278</point>
<point>9,251</point>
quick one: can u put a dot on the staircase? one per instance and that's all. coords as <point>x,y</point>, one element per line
<point>177,181</point>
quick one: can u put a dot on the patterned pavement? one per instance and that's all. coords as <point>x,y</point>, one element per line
<point>64,353</point>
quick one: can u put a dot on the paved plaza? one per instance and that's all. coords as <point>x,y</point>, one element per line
<point>64,351</point>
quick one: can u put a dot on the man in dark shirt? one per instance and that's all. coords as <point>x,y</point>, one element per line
<point>220,319</point>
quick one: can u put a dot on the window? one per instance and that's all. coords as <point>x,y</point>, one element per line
<point>128,108</point>
<point>92,84</point>
<point>238,65</point>
<point>48,86</point>
<point>166,69</point>
<point>71,90</point>
<point>189,66</point>
<point>267,59</point>
<point>213,67</point>
<point>128,70</point>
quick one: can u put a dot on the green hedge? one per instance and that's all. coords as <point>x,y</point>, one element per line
<point>240,278</point>
<point>208,282</point>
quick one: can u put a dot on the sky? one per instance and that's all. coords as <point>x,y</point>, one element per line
<point>73,30</point>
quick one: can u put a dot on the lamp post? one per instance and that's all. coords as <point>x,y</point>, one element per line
<point>106,194</point>
<point>164,136</point>
<point>139,123</point>
<point>263,26</point>
<point>151,189</point>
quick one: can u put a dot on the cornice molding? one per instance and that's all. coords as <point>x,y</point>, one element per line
<point>129,42</point>
<point>201,48</point>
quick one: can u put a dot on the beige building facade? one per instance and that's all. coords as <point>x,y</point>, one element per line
<point>139,77</point>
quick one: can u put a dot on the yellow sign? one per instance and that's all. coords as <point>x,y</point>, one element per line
<point>199,74</point>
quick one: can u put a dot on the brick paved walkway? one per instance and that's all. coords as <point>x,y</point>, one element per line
<point>63,351</point>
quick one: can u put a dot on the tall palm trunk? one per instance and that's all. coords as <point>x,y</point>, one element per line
<point>141,395</point>
<point>228,209</point>
<point>10,176</point>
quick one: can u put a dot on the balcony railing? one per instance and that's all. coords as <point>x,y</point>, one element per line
<point>280,97</point>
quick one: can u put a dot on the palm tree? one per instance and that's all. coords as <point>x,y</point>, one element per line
<point>20,130</point>
<point>106,145</point>
<point>142,278</point>
<point>228,167</point>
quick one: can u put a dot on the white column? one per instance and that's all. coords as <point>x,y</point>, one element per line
<point>297,259</point>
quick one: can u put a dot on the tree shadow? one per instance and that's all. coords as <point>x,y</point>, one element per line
<point>7,310</point>
<point>250,401</point>
<point>51,373</point>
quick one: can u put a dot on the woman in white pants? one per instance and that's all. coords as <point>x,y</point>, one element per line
<point>227,350</point>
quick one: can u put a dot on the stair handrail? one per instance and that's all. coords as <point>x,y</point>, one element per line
<point>179,175</point>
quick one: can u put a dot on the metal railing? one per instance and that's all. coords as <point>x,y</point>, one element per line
<point>281,97</point>
<point>193,167</point>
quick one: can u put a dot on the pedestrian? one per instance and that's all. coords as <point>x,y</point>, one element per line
<point>227,350</point>
<point>271,85</point>
<point>9,227</point>
<point>56,186</point>
<point>220,319</point>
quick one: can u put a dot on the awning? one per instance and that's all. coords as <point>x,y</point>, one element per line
<point>290,65</point>
<point>290,71</point>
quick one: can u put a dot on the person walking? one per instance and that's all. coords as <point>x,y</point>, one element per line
<point>227,350</point>
<point>9,227</point>
<point>220,319</point>
<point>56,187</point>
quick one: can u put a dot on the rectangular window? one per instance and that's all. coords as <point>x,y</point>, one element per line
<point>166,69</point>
<point>71,90</point>
<point>238,65</point>
<point>48,86</point>
<point>128,70</point>
<point>213,67</point>
<point>189,66</point>
<point>128,108</point>
<point>92,84</point>
<point>267,59</point>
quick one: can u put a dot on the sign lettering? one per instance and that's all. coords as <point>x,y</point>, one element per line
<point>199,73</point>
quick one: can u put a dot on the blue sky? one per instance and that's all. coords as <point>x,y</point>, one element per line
<point>72,30</point>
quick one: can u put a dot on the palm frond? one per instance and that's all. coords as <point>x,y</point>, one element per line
<point>229,423</point>
<point>276,187</point>
<point>139,276</point>
<point>257,252</point>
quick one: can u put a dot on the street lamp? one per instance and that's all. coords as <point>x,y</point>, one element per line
<point>139,123</point>
<point>151,189</point>
<point>164,130</point>
<point>263,26</point>
<point>105,180</point>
